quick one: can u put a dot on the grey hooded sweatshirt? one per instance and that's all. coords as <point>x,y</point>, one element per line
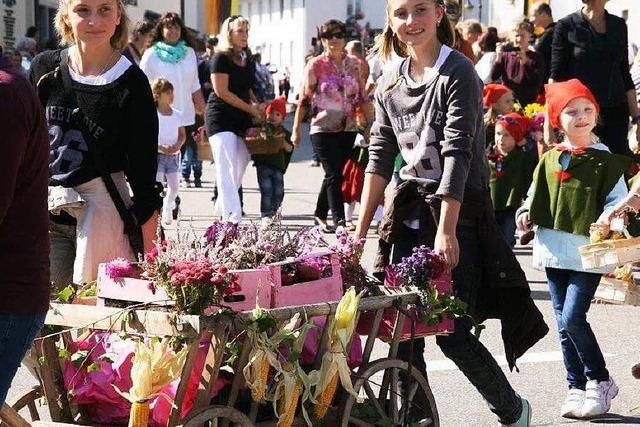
<point>437,127</point>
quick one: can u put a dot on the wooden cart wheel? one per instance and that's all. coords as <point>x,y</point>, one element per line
<point>28,400</point>
<point>418,408</point>
<point>216,413</point>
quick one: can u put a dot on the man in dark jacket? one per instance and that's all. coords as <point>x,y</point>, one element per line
<point>541,16</point>
<point>24,223</point>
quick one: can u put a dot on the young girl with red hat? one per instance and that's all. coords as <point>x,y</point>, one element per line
<point>511,171</point>
<point>270,168</point>
<point>574,186</point>
<point>498,100</point>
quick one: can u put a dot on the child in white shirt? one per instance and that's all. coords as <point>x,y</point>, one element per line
<point>171,137</point>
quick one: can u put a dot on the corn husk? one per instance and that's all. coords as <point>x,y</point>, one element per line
<point>334,362</point>
<point>153,367</point>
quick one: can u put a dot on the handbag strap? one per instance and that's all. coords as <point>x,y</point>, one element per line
<point>130,223</point>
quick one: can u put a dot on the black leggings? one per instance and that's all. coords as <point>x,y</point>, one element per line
<point>333,150</point>
<point>613,127</point>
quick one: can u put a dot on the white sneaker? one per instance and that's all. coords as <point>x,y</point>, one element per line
<point>598,397</point>
<point>572,406</point>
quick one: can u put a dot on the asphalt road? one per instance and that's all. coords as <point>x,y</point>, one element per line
<point>541,376</point>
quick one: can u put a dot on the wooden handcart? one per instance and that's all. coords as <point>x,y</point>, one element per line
<point>376,381</point>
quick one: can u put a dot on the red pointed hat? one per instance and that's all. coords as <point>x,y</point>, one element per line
<point>517,125</point>
<point>492,92</point>
<point>558,95</point>
<point>279,105</point>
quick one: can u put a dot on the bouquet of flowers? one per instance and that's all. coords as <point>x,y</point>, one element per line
<point>188,276</point>
<point>418,271</point>
<point>536,114</point>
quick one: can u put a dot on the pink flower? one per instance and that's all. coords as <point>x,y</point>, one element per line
<point>119,268</point>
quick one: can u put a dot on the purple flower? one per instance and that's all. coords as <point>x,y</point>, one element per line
<point>119,268</point>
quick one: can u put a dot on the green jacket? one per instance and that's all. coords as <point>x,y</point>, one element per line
<point>573,199</point>
<point>280,159</point>
<point>510,178</point>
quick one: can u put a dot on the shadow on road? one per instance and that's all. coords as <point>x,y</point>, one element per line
<point>616,419</point>
<point>540,295</point>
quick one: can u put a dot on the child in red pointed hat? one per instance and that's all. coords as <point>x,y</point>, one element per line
<point>573,188</point>
<point>498,100</point>
<point>511,171</point>
<point>270,168</point>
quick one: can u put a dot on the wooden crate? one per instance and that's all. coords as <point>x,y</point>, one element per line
<point>616,291</point>
<point>610,253</point>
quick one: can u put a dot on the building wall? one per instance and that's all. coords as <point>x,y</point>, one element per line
<point>13,24</point>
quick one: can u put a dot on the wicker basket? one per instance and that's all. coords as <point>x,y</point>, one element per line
<point>256,144</point>
<point>616,291</point>
<point>204,148</point>
<point>610,253</point>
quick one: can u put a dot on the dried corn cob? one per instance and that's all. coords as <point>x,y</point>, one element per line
<point>287,409</point>
<point>260,383</point>
<point>326,397</point>
<point>139,416</point>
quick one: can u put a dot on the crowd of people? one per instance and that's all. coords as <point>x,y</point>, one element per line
<point>525,133</point>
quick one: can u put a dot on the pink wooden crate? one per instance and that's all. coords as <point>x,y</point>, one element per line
<point>253,283</point>
<point>127,289</point>
<point>311,292</point>
<point>387,324</point>
<point>256,285</point>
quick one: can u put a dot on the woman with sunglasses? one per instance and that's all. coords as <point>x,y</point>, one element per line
<point>429,109</point>
<point>172,57</point>
<point>333,86</point>
<point>230,112</point>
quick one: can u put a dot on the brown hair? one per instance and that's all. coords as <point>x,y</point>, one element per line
<point>172,18</point>
<point>332,25</point>
<point>118,39</point>
<point>524,24</point>
<point>389,42</point>
<point>160,86</point>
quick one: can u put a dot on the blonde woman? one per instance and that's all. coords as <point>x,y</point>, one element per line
<point>102,124</point>
<point>229,113</point>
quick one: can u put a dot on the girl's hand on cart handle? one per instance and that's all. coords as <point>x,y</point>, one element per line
<point>523,222</point>
<point>447,245</point>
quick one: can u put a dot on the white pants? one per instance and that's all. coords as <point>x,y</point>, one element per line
<point>173,185</point>
<point>232,159</point>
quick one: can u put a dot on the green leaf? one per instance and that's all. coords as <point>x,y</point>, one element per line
<point>79,357</point>
<point>65,294</point>
<point>42,360</point>
<point>94,367</point>
<point>108,357</point>
<point>63,353</point>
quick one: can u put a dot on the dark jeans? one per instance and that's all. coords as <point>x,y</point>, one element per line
<point>271,183</point>
<point>333,150</point>
<point>506,220</point>
<point>571,295</point>
<point>613,128</point>
<point>17,332</point>
<point>190,161</point>
<point>462,347</point>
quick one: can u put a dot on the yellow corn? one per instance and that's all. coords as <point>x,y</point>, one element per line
<point>326,397</point>
<point>257,393</point>
<point>139,416</point>
<point>287,410</point>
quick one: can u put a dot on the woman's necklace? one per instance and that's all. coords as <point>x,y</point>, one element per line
<point>105,67</point>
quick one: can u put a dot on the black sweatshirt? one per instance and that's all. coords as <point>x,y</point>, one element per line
<point>600,61</point>
<point>124,126</point>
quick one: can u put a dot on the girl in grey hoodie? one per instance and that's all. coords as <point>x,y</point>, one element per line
<point>429,109</point>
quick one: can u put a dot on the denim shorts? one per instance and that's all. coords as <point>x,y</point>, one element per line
<point>168,163</point>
